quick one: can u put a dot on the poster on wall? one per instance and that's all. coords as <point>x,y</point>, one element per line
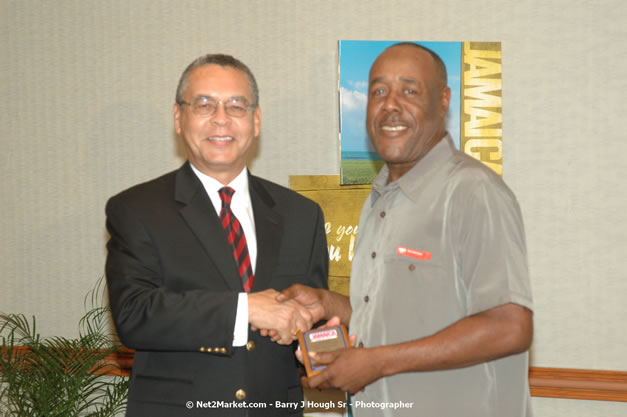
<point>474,118</point>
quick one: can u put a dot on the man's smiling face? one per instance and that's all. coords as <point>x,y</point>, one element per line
<point>218,145</point>
<point>407,104</point>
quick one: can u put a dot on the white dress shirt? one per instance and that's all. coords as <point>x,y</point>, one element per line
<point>242,209</point>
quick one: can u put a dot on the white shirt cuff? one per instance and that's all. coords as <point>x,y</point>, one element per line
<point>240,332</point>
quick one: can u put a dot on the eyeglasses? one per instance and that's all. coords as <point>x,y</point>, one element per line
<point>207,106</point>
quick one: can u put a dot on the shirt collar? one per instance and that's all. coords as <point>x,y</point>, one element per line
<point>212,186</point>
<point>413,179</point>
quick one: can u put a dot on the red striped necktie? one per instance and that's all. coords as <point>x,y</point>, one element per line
<point>236,238</point>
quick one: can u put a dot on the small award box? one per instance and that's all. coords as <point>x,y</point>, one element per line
<point>321,340</point>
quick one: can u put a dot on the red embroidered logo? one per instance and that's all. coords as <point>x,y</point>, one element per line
<point>413,253</point>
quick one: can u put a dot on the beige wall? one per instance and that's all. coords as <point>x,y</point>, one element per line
<point>88,88</point>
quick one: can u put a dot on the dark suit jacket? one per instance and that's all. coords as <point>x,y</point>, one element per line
<point>173,288</point>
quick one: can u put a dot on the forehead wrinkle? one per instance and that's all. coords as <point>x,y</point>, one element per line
<point>199,75</point>
<point>408,80</point>
<point>434,76</point>
<point>403,79</point>
<point>201,96</point>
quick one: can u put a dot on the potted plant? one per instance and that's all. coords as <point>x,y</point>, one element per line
<point>58,376</point>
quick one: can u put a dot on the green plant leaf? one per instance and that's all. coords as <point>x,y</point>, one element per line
<point>58,376</point>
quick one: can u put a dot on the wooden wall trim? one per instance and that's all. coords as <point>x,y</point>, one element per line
<point>578,384</point>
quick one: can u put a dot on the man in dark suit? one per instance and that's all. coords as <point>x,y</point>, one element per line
<point>187,288</point>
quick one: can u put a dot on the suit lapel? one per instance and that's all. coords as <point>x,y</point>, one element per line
<point>200,215</point>
<point>268,227</point>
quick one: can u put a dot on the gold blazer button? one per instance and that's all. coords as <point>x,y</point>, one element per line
<point>250,346</point>
<point>240,394</point>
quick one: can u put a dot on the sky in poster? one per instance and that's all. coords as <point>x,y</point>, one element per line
<point>356,58</point>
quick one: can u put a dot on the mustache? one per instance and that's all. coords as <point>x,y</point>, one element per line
<point>391,119</point>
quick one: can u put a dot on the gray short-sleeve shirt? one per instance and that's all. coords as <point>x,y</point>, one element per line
<point>443,242</point>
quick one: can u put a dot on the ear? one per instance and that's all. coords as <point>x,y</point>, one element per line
<point>177,118</point>
<point>445,100</point>
<point>257,121</point>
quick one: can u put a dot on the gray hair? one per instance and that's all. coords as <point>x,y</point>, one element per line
<point>223,61</point>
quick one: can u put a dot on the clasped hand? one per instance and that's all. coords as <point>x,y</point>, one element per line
<point>347,369</point>
<point>279,319</point>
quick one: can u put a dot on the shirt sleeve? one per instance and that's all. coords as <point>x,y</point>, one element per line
<point>240,331</point>
<point>493,249</point>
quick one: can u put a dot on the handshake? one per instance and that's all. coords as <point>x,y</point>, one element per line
<point>280,315</point>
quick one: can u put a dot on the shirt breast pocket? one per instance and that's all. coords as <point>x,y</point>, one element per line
<point>406,270</point>
<point>418,295</point>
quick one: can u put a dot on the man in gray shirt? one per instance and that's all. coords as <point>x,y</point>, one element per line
<point>440,300</point>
